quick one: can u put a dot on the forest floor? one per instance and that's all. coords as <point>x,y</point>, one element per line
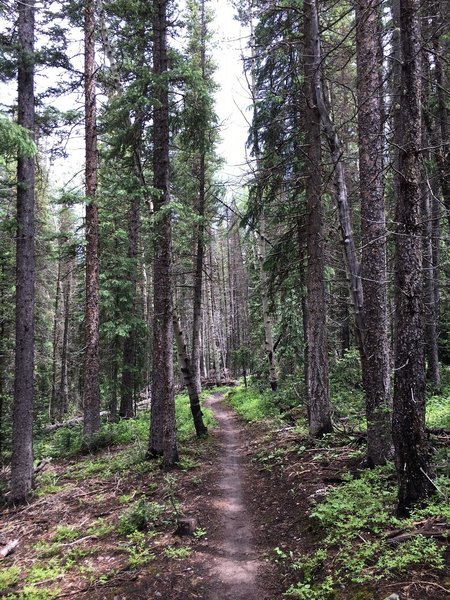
<point>104,525</point>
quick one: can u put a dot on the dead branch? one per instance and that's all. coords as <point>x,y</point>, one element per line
<point>8,548</point>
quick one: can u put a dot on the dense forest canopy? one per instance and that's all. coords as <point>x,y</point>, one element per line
<point>322,276</point>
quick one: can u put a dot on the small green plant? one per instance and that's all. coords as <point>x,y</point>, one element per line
<point>182,552</point>
<point>100,528</point>
<point>67,533</point>
<point>9,577</point>
<point>308,591</point>
<point>51,570</point>
<point>140,514</point>
<point>31,592</point>
<point>48,483</point>
<point>200,533</point>
<point>47,549</point>
<point>138,553</point>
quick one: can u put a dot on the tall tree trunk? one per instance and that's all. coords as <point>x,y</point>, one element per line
<point>408,420</point>
<point>63,391</point>
<point>163,428</point>
<point>316,372</point>
<point>22,436</point>
<point>376,365</point>
<point>91,383</point>
<point>198,277</point>
<point>129,348</point>
<point>54,411</point>
<point>185,365</point>
<point>213,337</point>
<point>267,319</point>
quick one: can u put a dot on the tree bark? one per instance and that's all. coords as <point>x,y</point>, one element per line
<point>408,419</point>
<point>163,427</point>
<point>375,357</point>
<point>316,372</point>
<point>185,365</point>
<point>22,436</point>
<point>91,383</point>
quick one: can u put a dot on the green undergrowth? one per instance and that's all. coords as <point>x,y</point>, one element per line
<point>352,523</point>
<point>68,441</point>
<point>253,405</point>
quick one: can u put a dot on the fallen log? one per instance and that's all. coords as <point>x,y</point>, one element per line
<point>8,548</point>
<point>69,423</point>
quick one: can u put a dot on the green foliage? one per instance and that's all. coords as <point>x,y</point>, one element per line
<point>181,552</point>
<point>358,505</point>
<point>138,553</point>
<point>253,405</point>
<point>307,591</point>
<point>40,572</point>
<point>346,392</point>
<point>67,533</point>
<point>8,577</point>
<point>31,592</point>
<point>139,515</point>
<point>354,518</point>
<point>438,410</point>
<point>14,139</point>
<point>185,424</point>
<point>200,533</point>
<point>48,483</point>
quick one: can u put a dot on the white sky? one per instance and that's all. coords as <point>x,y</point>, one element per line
<point>233,97</point>
<point>232,100</point>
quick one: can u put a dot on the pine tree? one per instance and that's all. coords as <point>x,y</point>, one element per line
<point>22,440</point>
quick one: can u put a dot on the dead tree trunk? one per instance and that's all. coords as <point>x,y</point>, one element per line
<point>186,370</point>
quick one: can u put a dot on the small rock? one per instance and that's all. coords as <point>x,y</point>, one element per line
<point>393,597</point>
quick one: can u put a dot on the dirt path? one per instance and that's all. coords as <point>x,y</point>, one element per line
<point>234,569</point>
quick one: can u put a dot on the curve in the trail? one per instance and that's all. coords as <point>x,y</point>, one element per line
<point>235,566</point>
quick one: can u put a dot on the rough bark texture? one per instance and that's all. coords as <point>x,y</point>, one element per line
<point>375,358</point>
<point>267,319</point>
<point>91,387</point>
<point>408,422</point>
<point>129,348</point>
<point>22,440</point>
<point>162,430</point>
<point>185,365</point>
<point>198,278</point>
<point>319,410</point>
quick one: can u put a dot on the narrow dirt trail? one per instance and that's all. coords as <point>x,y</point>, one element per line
<point>233,573</point>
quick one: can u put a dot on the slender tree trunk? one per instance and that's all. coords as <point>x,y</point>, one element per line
<point>22,436</point>
<point>91,383</point>
<point>185,367</point>
<point>163,428</point>
<point>212,325</point>
<point>198,278</point>
<point>54,412</point>
<point>267,319</point>
<point>63,391</point>
<point>129,347</point>
<point>376,364</point>
<point>319,409</point>
<point>408,420</point>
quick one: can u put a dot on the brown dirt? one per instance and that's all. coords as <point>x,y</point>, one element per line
<point>245,506</point>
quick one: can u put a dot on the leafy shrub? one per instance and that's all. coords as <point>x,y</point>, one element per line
<point>9,577</point>
<point>140,514</point>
